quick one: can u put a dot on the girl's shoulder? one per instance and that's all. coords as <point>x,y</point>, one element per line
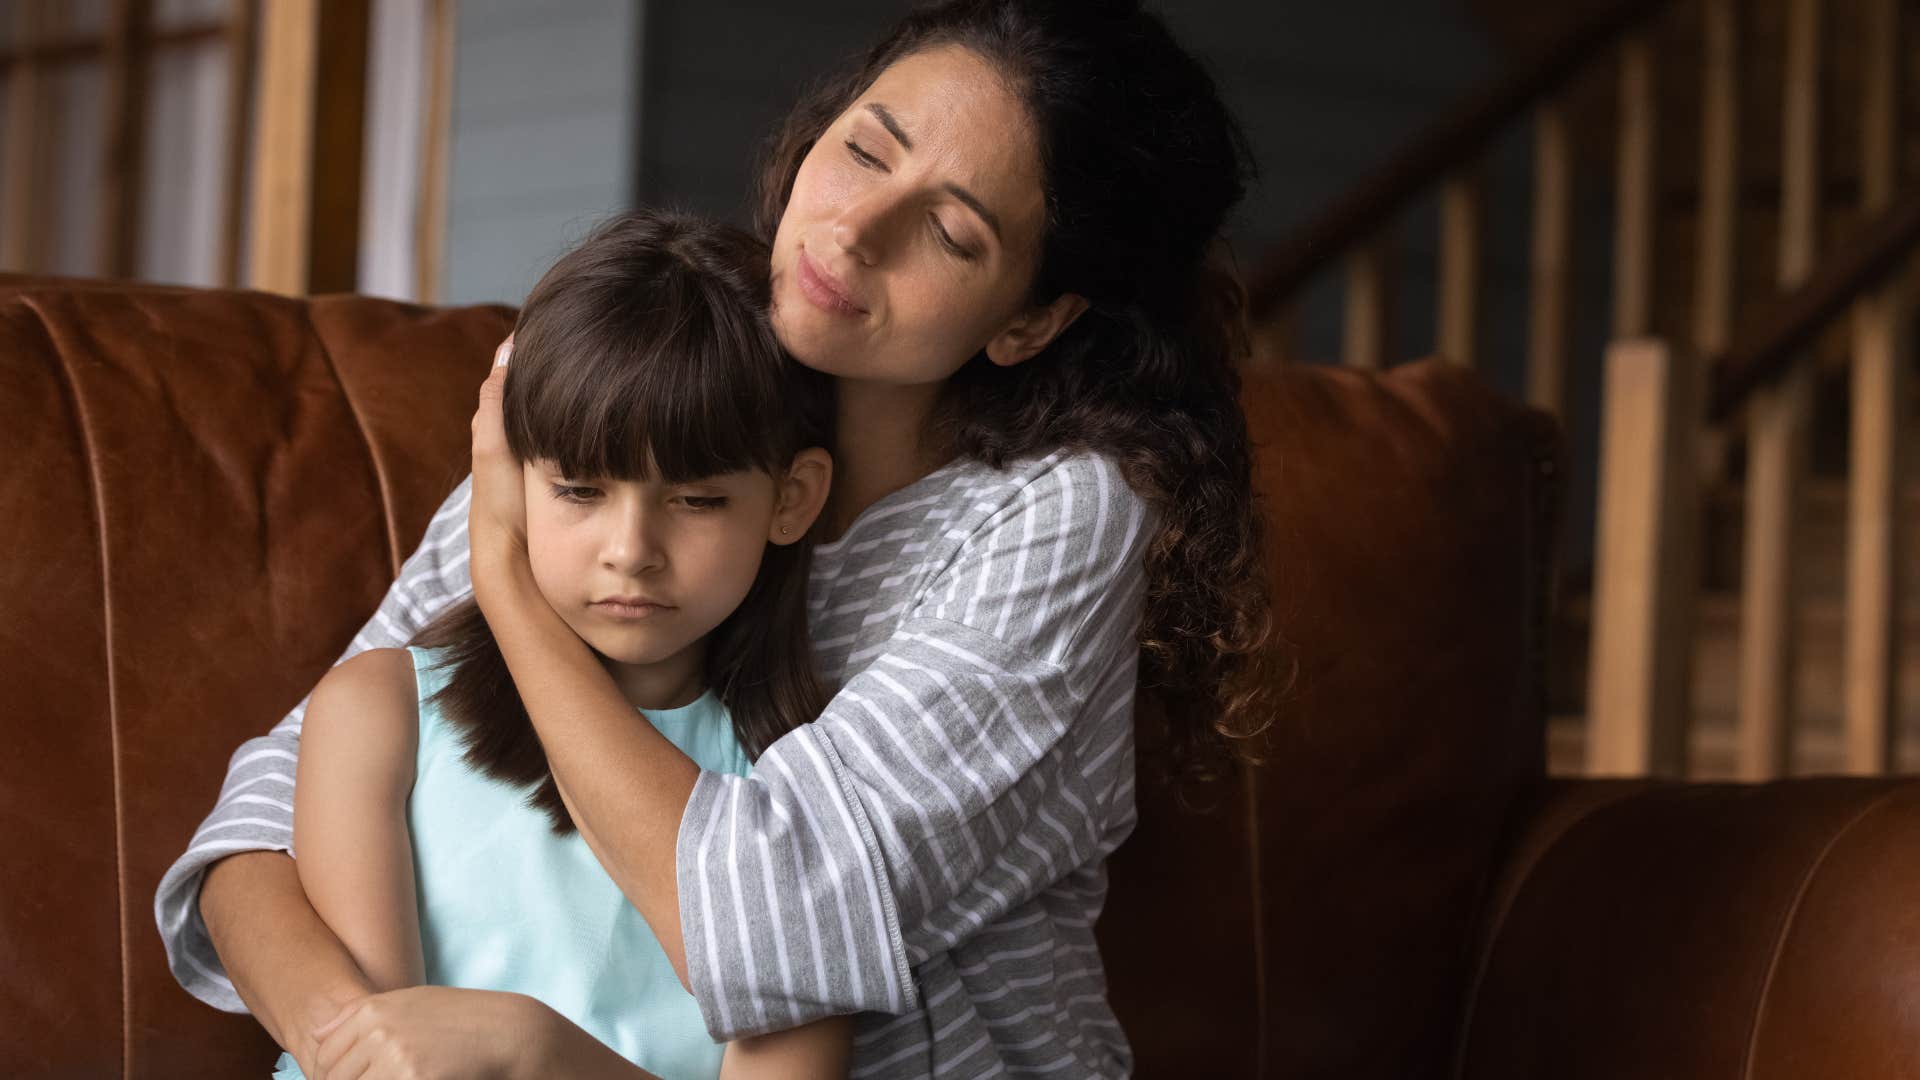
<point>368,695</point>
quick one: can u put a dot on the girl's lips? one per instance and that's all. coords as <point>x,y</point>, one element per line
<point>620,609</point>
<point>824,291</point>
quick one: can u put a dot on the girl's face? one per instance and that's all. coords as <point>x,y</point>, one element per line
<point>643,571</point>
<point>912,235</point>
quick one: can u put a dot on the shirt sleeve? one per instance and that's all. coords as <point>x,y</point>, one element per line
<point>255,809</point>
<point>940,789</point>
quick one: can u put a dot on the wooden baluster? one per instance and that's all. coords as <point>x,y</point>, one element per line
<point>1549,320</point>
<point>1777,435</point>
<point>1713,298</point>
<point>242,19</point>
<point>306,159</point>
<point>1633,213</point>
<point>1462,267</point>
<point>1880,362</point>
<point>430,220</point>
<point>1644,563</point>
<point>23,229</point>
<point>121,186</point>
<point>1369,304</point>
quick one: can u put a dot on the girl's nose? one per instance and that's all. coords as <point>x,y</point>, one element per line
<point>633,545</point>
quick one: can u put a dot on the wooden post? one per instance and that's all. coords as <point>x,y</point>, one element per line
<point>1462,267</point>
<point>1881,357</point>
<point>1644,566</point>
<point>1549,319</point>
<point>1713,297</point>
<point>1633,215</point>
<point>430,221</point>
<point>23,230</point>
<point>1369,304</point>
<point>1776,438</point>
<point>243,19</point>
<point>121,184</point>
<point>306,174</point>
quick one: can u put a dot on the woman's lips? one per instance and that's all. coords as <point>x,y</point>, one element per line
<point>823,290</point>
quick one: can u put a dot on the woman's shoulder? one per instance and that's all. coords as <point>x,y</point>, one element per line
<point>1075,476</point>
<point>1069,513</point>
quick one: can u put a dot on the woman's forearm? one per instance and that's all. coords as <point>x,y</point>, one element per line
<point>625,783</point>
<point>287,966</point>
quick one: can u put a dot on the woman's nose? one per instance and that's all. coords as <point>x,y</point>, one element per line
<point>860,228</point>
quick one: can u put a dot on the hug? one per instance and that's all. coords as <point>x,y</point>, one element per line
<point>764,705</point>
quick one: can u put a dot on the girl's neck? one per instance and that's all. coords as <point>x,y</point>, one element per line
<point>672,683</point>
<point>880,446</point>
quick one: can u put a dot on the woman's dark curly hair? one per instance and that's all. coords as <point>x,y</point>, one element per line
<point>1142,162</point>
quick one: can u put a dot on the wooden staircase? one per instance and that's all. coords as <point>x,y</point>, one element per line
<point>1756,504</point>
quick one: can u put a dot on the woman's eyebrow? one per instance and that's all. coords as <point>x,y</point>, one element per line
<point>887,121</point>
<point>972,201</point>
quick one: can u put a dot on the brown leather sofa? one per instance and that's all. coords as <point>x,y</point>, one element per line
<point>205,492</point>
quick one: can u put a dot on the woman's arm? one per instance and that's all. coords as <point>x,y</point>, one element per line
<point>350,813</point>
<point>260,920</point>
<point>817,1051</point>
<point>628,813</point>
<point>232,904</point>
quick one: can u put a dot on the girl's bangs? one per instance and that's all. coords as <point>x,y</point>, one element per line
<point>697,401</point>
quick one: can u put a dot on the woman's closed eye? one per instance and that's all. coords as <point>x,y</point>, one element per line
<point>859,153</point>
<point>703,502</point>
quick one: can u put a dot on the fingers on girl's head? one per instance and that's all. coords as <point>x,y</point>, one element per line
<point>504,353</point>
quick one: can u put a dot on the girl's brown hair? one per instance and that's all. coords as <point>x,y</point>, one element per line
<point>645,352</point>
<point>1142,162</point>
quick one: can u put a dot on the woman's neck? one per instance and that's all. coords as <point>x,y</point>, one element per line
<point>880,446</point>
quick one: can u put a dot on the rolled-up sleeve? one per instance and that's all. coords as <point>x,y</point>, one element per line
<point>255,809</point>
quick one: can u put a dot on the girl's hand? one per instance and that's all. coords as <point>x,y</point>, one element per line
<point>428,1032</point>
<point>497,519</point>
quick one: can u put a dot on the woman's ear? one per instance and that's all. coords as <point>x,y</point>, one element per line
<point>1035,329</point>
<point>799,495</point>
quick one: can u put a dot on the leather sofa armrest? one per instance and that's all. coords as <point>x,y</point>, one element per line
<point>1647,929</point>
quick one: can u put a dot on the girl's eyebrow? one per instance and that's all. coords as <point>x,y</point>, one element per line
<point>971,200</point>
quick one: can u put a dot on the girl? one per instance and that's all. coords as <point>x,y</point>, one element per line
<point>670,456</point>
<point>993,232</point>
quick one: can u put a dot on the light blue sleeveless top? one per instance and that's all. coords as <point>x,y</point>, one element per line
<point>507,905</point>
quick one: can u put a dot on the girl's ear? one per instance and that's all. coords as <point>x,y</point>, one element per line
<point>800,495</point>
<point>1034,329</point>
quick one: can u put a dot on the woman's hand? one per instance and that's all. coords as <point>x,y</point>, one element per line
<point>427,1032</point>
<point>497,519</point>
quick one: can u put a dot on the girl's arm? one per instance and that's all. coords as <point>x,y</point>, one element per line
<point>350,835</point>
<point>816,1051</point>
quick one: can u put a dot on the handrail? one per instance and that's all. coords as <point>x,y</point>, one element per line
<point>1445,146</point>
<point>1871,253</point>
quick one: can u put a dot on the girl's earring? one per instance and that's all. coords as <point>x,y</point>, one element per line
<point>785,529</point>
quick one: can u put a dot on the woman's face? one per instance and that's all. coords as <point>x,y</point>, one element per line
<point>912,235</point>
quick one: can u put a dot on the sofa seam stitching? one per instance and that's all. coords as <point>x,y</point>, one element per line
<point>1484,960</point>
<point>391,522</point>
<point>1791,916</point>
<point>94,489</point>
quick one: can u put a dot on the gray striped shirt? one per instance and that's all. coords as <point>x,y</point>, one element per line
<point>930,852</point>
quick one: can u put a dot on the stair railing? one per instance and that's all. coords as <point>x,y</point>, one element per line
<point>1659,393</point>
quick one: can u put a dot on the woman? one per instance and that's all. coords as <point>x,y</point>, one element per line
<point>994,233</point>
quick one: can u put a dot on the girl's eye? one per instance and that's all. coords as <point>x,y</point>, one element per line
<point>946,240</point>
<point>704,502</point>
<point>865,159</point>
<point>575,493</point>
